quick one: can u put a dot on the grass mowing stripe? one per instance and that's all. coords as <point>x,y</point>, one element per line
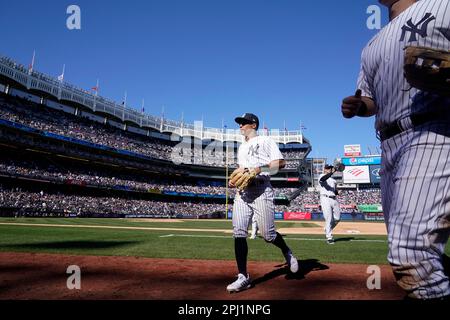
<point>97,226</point>
<point>192,223</point>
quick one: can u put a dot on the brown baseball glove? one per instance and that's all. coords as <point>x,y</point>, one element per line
<point>428,69</point>
<point>241,178</point>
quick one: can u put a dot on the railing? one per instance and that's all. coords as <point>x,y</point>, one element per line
<point>32,79</point>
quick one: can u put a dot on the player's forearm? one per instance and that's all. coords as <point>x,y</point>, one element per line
<point>325,177</point>
<point>272,168</point>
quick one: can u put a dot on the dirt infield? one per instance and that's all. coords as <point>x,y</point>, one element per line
<point>361,228</point>
<point>43,276</point>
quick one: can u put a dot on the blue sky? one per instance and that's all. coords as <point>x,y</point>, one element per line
<point>288,61</point>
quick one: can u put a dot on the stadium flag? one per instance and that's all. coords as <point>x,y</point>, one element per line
<point>285,128</point>
<point>162,118</point>
<point>31,66</point>
<point>143,109</point>
<point>265,129</point>
<point>302,127</point>
<point>224,126</point>
<point>124,102</point>
<point>61,77</point>
<point>95,88</point>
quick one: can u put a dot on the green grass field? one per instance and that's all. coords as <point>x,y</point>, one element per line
<point>211,244</point>
<point>181,224</point>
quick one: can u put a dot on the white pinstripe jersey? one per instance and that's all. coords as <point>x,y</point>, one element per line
<point>257,152</point>
<point>426,23</point>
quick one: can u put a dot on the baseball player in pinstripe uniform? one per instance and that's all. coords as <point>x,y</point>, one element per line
<point>330,205</point>
<point>414,129</point>
<point>261,154</point>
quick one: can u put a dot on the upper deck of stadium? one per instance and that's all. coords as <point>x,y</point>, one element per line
<point>16,76</point>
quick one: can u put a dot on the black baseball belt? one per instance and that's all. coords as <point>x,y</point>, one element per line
<point>331,197</point>
<point>416,119</point>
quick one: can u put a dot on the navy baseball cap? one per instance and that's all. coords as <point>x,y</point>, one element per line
<point>247,118</point>
<point>329,166</point>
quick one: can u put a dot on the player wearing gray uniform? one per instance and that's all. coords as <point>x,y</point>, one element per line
<point>330,205</point>
<point>262,154</point>
<point>414,129</point>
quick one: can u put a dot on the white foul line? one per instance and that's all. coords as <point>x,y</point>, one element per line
<point>301,239</point>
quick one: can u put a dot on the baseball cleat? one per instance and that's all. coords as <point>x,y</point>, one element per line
<point>253,237</point>
<point>330,241</point>
<point>292,262</point>
<point>242,283</point>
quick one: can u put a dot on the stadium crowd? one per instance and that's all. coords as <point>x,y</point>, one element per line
<point>77,175</point>
<point>62,123</point>
<point>65,124</point>
<point>42,203</point>
<point>59,122</point>
<point>310,201</point>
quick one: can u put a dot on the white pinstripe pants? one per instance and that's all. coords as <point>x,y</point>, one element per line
<point>415,182</point>
<point>331,213</point>
<point>257,201</point>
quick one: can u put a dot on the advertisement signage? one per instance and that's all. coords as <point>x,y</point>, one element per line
<point>279,216</point>
<point>374,216</point>
<point>297,216</point>
<point>361,161</point>
<point>347,216</point>
<point>375,174</point>
<point>370,208</point>
<point>352,150</point>
<point>356,174</point>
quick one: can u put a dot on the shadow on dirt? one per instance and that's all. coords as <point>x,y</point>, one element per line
<point>305,267</point>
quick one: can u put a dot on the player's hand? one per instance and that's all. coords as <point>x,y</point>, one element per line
<point>351,105</point>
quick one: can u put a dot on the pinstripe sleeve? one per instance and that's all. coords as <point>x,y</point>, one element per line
<point>274,151</point>
<point>363,83</point>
